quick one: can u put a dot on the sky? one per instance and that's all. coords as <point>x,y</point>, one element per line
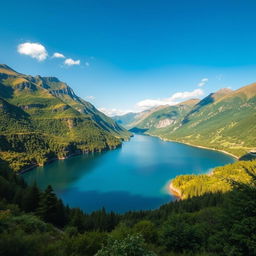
<point>129,55</point>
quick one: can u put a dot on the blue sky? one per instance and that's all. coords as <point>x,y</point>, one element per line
<point>132,54</point>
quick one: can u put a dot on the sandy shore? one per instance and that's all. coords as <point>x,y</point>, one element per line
<point>174,191</point>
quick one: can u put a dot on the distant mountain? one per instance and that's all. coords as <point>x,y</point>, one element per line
<point>156,117</point>
<point>225,120</point>
<point>164,116</point>
<point>131,120</point>
<point>125,119</point>
<point>42,118</point>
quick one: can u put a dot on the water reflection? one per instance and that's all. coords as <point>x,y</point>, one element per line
<point>131,177</point>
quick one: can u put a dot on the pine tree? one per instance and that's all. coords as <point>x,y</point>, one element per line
<point>48,206</point>
<point>31,199</point>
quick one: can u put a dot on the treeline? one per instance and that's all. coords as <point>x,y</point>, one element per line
<point>216,181</point>
<point>34,222</point>
<point>28,149</point>
<point>33,138</point>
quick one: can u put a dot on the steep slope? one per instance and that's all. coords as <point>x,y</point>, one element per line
<point>66,94</point>
<point>165,116</point>
<point>141,119</point>
<point>225,120</point>
<point>44,117</point>
<point>125,119</point>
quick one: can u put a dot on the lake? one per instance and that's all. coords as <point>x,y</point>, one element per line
<point>133,177</point>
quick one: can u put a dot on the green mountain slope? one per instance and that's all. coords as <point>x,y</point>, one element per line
<point>42,118</point>
<point>125,119</point>
<point>225,120</point>
<point>164,116</point>
<point>155,117</point>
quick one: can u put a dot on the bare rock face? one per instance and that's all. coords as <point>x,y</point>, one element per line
<point>165,122</point>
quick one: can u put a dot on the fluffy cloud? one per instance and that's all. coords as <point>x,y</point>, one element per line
<point>114,111</point>
<point>203,82</point>
<point>172,100</point>
<point>71,62</point>
<point>58,55</point>
<point>34,50</point>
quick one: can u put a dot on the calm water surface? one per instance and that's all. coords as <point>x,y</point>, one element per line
<point>133,177</point>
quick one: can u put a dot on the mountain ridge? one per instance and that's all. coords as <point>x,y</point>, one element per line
<point>224,121</point>
<point>52,116</point>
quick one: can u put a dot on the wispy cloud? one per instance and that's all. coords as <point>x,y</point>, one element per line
<point>58,55</point>
<point>114,111</point>
<point>71,62</point>
<point>34,50</point>
<point>172,100</point>
<point>203,82</point>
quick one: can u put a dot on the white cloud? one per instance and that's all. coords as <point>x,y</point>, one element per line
<point>114,111</point>
<point>203,82</point>
<point>172,100</point>
<point>34,50</point>
<point>150,103</point>
<point>90,97</point>
<point>58,55</point>
<point>71,62</point>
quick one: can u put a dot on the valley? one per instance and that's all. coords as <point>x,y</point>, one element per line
<point>223,121</point>
<point>42,119</point>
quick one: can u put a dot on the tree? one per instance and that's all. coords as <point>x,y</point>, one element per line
<point>132,245</point>
<point>147,229</point>
<point>241,217</point>
<point>31,197</point>
<point>50,208</point>
<point>179,234</point>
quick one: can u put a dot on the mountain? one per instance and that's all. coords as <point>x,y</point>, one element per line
<point>131,120</point>
<point>224,120</point>
<point>164,116</point>
<point>156,117</point>
<point>42,118</point>
<point>125,119</point>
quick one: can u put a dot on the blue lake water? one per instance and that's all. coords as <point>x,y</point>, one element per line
<point>133,177</point>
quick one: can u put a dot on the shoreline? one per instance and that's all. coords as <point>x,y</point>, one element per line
<point>82,152</point>
<point>171,188</point>
<point>32,166</point>
<point>196,146</point>
<point>174,191</point>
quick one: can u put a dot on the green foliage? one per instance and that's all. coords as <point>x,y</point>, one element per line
<point>147,229</point>
<point>42,119</point>
<point>217,181</point>
<point>179,234</point>
<point>225,120</point>
<point>50,209</point>
<point>132,245</point>
<point>88,243</point>
<point>208,225</point>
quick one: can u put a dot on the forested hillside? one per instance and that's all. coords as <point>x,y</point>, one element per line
<point>219,180</point>
<point>34,222</point>
<point>225,120</point>
<point>164,116</point>
<point>41,118</point>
